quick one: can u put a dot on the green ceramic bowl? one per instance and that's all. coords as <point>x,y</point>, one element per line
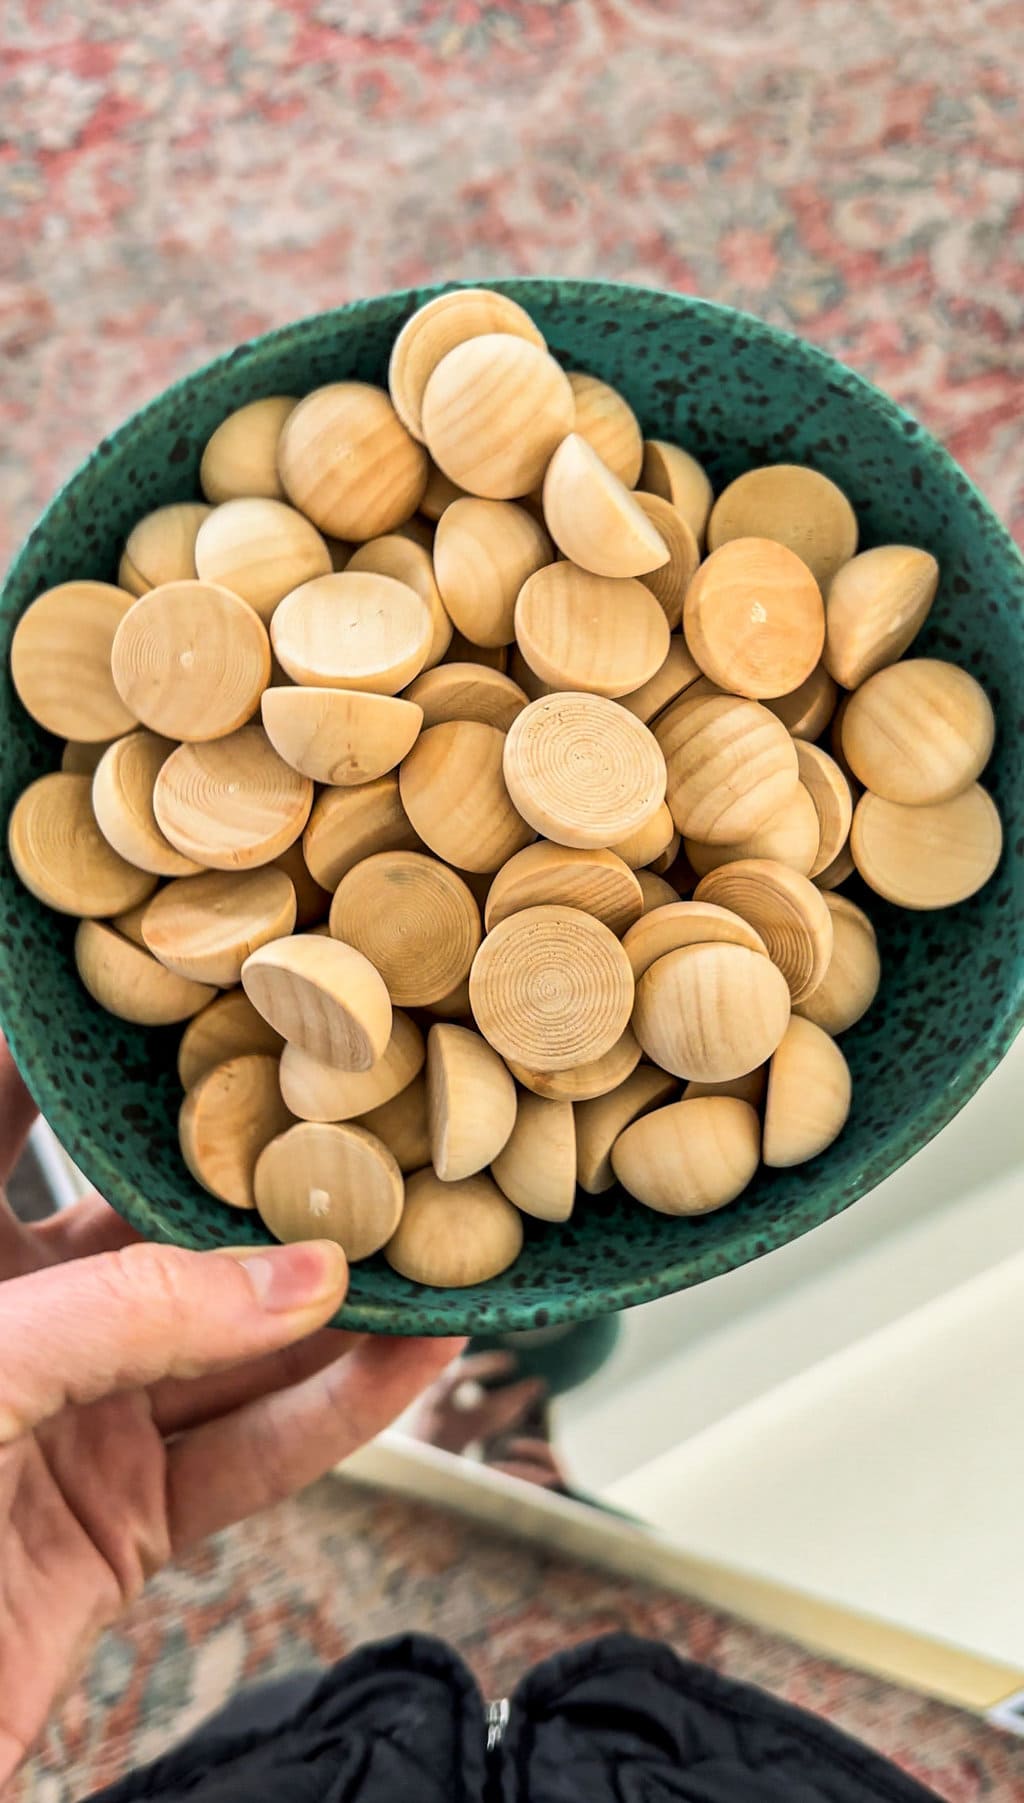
<point>737,393</point>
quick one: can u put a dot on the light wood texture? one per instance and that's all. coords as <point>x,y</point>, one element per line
<point>672,473</point>
<point>80,757</point>
<point>594,519</point>
<point>598,882</point>
<point>787,911</point>
<point>453,1006</point>
<point>240,457</point>
<point>731,765</point>
<point>122,801</point>
<point>528,680</point>
<point>583,771</point>
<point>680,923</point>
<point>128,982</point>
<point>323,996</point>
<point>483,553</point>
<point>551,987</point>
<point>191,660</point>
<point>798,507</point>
<point>452,1235</point>
<point>316,1090</point>
<point>353,631</point>
<point>601,634</point>
<point>340,736</point>
<point>748,1088</point>
<point>850,983</point>
<point>404,560</point>
<point>347,825</point>
<point>494,657</point>
<point>830,793</point>
<point>655,891</point>
<point>60,660</point>
<point>453,790</point>
<point>161,547</point>
<point>347,462</point>
<point>754,618</point>
<point>790,836</point>
<point>650,842</point>
<point>919,731</point>
<point>471,1101</point>
<point>261,550</point>
<point>806,711</point>
<point>206,926</point>
<point>691,1157</point>
<point>670,582</point>
<point>808,1095</point>
<point>61,856</point>
<point>232,803</point>
<point>668,682</point>
<point>927,857</point>
<point>607,422</point>
<point>839,871</point>
<point>494,410</point>
<point>438,494</point>
<point>226,1119</point>
<point>875,605</point>
<point>129,924</point>
<point>536,1168</point>
<point>436,329</point>
<point>229,1027</point>
<point>319,1182</point>
<point>312,903</point>
<point>582,1082</point>
<point>413,918</point>
<point>835,739</point>
<point>467,692</point>
<point>403,1125</point>
<point>711,1011</point>
<point>599,1123</point>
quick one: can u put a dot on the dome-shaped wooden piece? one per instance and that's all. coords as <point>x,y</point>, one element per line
<point>655,842</point>
<point>404,560</point>
<point>129,982</point>
<point>226,1119</point>
<point>205,927</point>
<point>754,618</point>
<point>927,857</point>
<point>347,825</point>
<point>850,983</point>
<point>261,550</point>
<point>340,736</point>
<point>666,685</point>
<point>676,476</point>
<point>829,790</point>
<point>161,547</point>
<point>191,660</point>
<point>671,580</point>
<point>536,1168</point>
<point>731,765</point>
<point>61,856</point>
<point>551,987</point>
<point>60,660</point>
<point>691,1157</point>
<point>122,800</point>
<point>233,803</point>
<point>748,1088</point>
<point>353,631</point>
<point>483,553</point>
<point>874,606</point>
<point>601,634</point>
<point>919,731</point>
<point>452,1235</point>
<point>438,495</point>
<point>806,711</point>
<point>403,1125</point>
<point>786,910</point>
<point>711,1011</point>
<point>680,923</point>
<point>582,1082</point>
<point>413,918</point>
<point>655,891</point>
<point>436,329</point>
<point>323,996</point>
<point>790,836</point>
<point>347,462</point>
<point>494,410</point>
<point>240,457</point>
<point>598,882</point>
<point>319,1182</point>
<point>796,506</point>
<point>582,770</point>
<point>594,519</point>
<point>609,425</point>
<point>471,1101</point>
<point>467,692</point>
<point>454,792</point>
<point>808,1095</point>
<point>316,1090</point>
<point>839,871</point>
<point>599,1122</point>
<point>227,1028</point>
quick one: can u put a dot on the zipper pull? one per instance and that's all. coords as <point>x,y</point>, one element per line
<point>497,1722</point>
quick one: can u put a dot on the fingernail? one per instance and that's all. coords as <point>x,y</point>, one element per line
<point>289,1278</point>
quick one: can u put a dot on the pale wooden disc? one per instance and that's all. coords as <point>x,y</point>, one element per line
<point>711,1011</point>
<point>655,891</point>
<point>436,329</point>
<point>414,919</point>
<point>785,908</point>
<point>748,1088</point>
<point>594,518</point>
<point>582,1082</point>
<point>452,1235</point>
<point>347,462</point>
<point>731,765</point>
<point>601,634</point>
<point>850,983</point>
<point>483,553</point>
<point>129,982</point>
<point>320,1182</point>
<point>403,1125</point>
<point>455,1005</point>
<point>467,692</point>
<point>240,457</point>
<point>312,903</point>
<point>494,657</point>
<point>598,882</point>
<point>808,1096</point>
<point>536,1168</point>
<point>919,731</point>
<point>318,1091</point>
<point>60,854</point>
<point>798,507</point>
<point>471,1101</point>
<point>599,1122</point>
<point>754,618</point>
<point>839,871</point>
<point>583,771</point>
<point>551,987</point>
<point>129,924</point>
<point>353,631</point>
<point>122,800</point>
<point>806,711</point>
<point>829,790</point>
<point>670,582</point>
<point>672,473</point>
<point>668,682</point>
<point>60,660</point>
<point>650,843</point>
<point>347,825</point>
<point>81,756</point>
<point>607,422</point>
<point>228,1027</point>
<point>438,494</point>
<point>927,857</point>
<point>205,926</point>
<point>691,1157</point>
<point>232,803</point>
<point>406,561</point>
<point>680,923</point>
<point>161,547</point>
<point>453,790</point>
<point>875,605</point>
<point>340,736</point>
<point>494,409</point>
<point>323,996</point>
<point>191,660</point>
<point>226,1119</point>
<point>791,836</point>
<point>260,549</point>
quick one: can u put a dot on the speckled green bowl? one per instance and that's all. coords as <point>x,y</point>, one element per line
<point>737,393</point>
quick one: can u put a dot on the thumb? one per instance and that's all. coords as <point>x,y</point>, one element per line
<point>76,1332</point>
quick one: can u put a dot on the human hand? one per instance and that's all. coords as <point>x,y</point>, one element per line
<point>148,1397</point>
<point>458,1411</point>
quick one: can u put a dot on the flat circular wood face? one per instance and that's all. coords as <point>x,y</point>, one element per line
<point>594,519</point>
<point>126,981</point>
<point>471,1101</point>
<point>404,560</point>
<point>403,1126</point>
<point>61,856</point>
<point>453,789</point>
<point>679,923</point>
<point>353,631</point>
<point>339,736</point>
<point>691,1157</point>
<point>927,857</point>
<point>551,987</point>
<point>206,926</point>
<point>483,553</point>
<point>666,685</point>
<point>536,1168</point>
<point>583,771</point>
<point>414,919</point>
<point>599,1122</point>
<point>161,547</point>
<point>317,1091</point>
<point>671,580</point>
<point>227,1028</point>
<point>122,800</point>
<point>791,836</point>
<point>850,983</point>
<point>494,410</point>
<point>436,329</point>
<point>918,732</point>
<point>240,458</point>
<point>347,462</point>
<point>260,550</point>
<point>598,882</point>
<point>347,825</point>
<point>467,692</point>
<point>191,660</point>
<point>786,910</point>
<point>808,1095</point>
<point>317,1182</point>
<point>233,803</point>
<point>754,618</point>
<point>60,660</point>
<point>731,766</point>
<point>607,422</point>
<point>806,711</point>
<point>226,1120</point>
<point>452,1235</point>
<point>829,790</point>
<point>582,1082</point>
<point>711,1012</point>
<point>323,996</point>
<point>676,476</point>
<point>604,635</point>
<point>875,606</point>
<point>798,507</point>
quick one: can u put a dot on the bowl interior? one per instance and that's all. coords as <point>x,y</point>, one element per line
<point>737,393</point>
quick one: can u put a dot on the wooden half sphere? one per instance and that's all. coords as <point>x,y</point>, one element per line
<point>191,660</point>
<point>161,547</point>
<point>347,825</point>
<point>786,910</point>
<point>676,476</point>
<point>204,927</point>
<point>353,631</point>
<point>467,692</point>
<point>122,800</point>
<point>404,560</point>
<point>536,1168</point>
<point>453,789</point>
<point>671,580</point>
<point>711,1011</point>
<point>927,857</point>
<point>61,856</point>
<point>582,1082</point>
<point>839,871</point>
<point>438,495</point>
<point>60,660</point>
<point>324,996</point>
<point>226,1119</point>
<point>731,765</point>
<point>340,736</point>
<point>240,458</point>
<point>919,731</point>
<point>494,410</point>
<point>598,882</point>
<point>583,771</point>
<point>471,1101</point>
<point>320,1182</point>
<point>796,506</point>
<point>655,891</point>
<point>403,1125</point>
<point>830,793</point>
<point>261,550</point>
<point>806,710</point>
<point>609,425</point>
<point>691,1157</point>
<point>483,553</point>
<point>227,1027</point>
<point>808,1095</point>
<point>452,1235</point>
<point>600,1122</point>
<point>602,634</point>
<point>656,842</point>
<point>875,606</point>
<point>551,987</point>
<point>790,836</point>
<point>413,918</point>
<point>754,619</point>
<point>129,982</point>
<point>347,462</point>
<point>748,1088</point>
<point>318,1090</point>
<point>594,519</point>
<point>436,329</point>
<point>232,803</point>
<point>669,681</point>
<point>850,983</point>
<point>680,923</point>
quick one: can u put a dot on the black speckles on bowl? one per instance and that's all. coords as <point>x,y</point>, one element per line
<point>737,393</point>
